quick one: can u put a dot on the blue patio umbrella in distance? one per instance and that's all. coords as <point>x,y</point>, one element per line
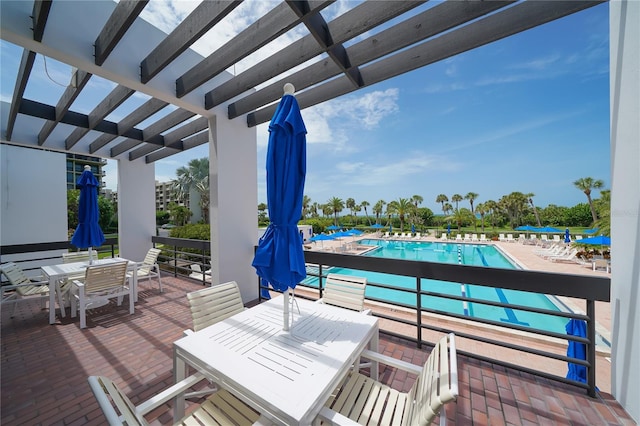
<point>549,229</point>
<point>577,350</point>
<point>279,258</point>
<point>377,226</point>
<point>88,234</point>
<point>600,240</point>
<point>322,238</point>
<point>333,228</point>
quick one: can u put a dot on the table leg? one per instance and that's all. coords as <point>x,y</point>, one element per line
<point>374,346</point>
<point>179,373</point>
<point>52,300</point>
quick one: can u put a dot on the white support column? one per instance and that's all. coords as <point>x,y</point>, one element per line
<point>234,201</point>
<point>136,208</point>
<point>624,40</point>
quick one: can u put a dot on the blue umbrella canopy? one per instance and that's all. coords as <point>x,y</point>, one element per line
<point>88,233</point>
<point>577,350</point>
<point>333,228</point>
<point>591,231</point>
<point>527,228</point>
<point>600,240</point>
<point>279,258</point>
<point>322,237</point>
<point>549,229</point>
<point>377,226</point>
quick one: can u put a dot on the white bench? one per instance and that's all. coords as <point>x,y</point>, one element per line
<point>364,400</point>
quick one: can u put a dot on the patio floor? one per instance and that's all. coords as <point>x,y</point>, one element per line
<point>45,369</point>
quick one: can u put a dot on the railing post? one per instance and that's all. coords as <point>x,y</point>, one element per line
<point>591,348</point>
<point>175,260</point>
<point>320,281</point>
<point>419,312</point>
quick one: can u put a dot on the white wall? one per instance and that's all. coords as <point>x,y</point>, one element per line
<point>136,208</point>
<point>33,193</point>
<point>624,20</point>
<point>234,201</point>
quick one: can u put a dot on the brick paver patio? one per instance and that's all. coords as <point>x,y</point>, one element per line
<point>45,369</point>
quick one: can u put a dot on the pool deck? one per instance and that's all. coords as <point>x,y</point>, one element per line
<point>525,256</point>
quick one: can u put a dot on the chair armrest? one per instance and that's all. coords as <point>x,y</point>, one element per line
<point>78,283</point>
<point>188,332</point>
<point>167,394</point>
<point>392,362</point>
<point>327,415</point>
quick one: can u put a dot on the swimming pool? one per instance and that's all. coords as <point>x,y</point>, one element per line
<point>467,254</point>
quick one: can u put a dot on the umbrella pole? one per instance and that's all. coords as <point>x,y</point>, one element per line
<point>285,311</point>
<point>90,255</point>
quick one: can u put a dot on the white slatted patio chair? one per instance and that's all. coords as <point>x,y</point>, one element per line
<point>483,238</point>
<point>101,283</point>
<point>209,306</point>
<point>149,268</point>
<point>221,408</point>
<point>22,287</point>
<point>346,291</point>
<point>364,400</point>
<point>213,304</point>
<point>64,284</point>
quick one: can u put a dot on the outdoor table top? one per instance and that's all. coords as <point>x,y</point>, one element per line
<point>286,375</point>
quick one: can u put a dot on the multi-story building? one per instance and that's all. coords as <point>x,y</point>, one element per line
<point>75,167</point>
<point>164,196</point>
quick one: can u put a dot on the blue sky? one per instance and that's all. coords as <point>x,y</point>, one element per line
<point>529,113</point>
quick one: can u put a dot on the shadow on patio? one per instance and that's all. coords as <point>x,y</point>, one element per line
<point>45,369</point>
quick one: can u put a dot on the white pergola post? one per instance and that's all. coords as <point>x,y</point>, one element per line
<point>234,201</point>
<point>136,208</point>
<point>624,40</point>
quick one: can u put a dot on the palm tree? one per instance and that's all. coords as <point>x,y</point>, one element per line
<point>491,208</point>
<point>364,205</point>
<point>514,205</point>
<point>336,205</point>
<point>261,208</point>
<point>586,185</point>
<point>442,199</point>
<point>416,200</point>
<point>471,196</point>
<point>194,177</point>
<point>403,207</point>
<point>305,206</point>
<point>535,210</point>
<point>481,209</point>
<point>377,209</point>
<point>604,207</point>
<point>391,210</point>
<point>456,198</point>
<point>350,204</point>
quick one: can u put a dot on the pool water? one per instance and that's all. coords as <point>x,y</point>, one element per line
<point>466,254</point>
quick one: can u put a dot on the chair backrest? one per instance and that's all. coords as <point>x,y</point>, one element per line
<point>78,256</point>
<point>215,303</point>
<point>345,291</point>
<point>14,273</point>
<point>108,394</point>
<point>100,278</point>
<point>149,260</point>
<point>436,385</point>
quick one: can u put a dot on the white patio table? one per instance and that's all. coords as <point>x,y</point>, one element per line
<point>56,272</point>
<point>286,375</point>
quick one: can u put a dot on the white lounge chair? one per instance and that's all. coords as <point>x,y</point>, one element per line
<point>458,237</point>
<point>474,238</point>
<point>444,237</point>
<point>467,237</point>
<point>501,237</point>
<point>101,283</point>
<point>22,287</point>
<point>569,257</point>
<point>149,267</point>
<point>601,264</point>
<point>510,238</point>
<point>364,400</point>
<point>197,273</point>
<point>483,238</point>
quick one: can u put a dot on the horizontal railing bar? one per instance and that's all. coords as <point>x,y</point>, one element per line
<point>577,286</point>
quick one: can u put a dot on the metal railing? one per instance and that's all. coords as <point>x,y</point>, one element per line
<point>178,254</point>
<point>588,288</point>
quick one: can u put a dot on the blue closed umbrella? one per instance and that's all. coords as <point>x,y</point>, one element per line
<point>413,228</point>
<point>279,258</point>
<point>448,228</point>
<point>88,234</point>
<point>567,236</point>
<point>577,350</point>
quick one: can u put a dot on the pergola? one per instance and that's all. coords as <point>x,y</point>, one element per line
<point>193,100</point>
